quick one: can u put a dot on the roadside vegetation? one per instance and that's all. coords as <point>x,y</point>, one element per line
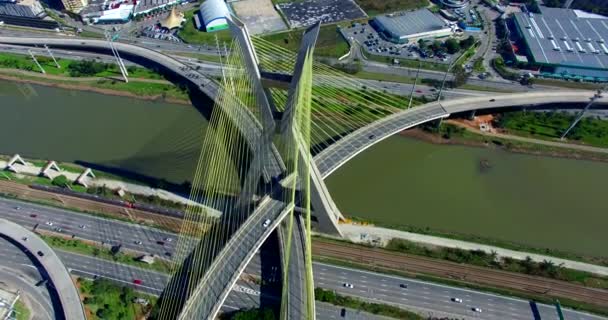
<point>21,311</point>
<point>330,42</point>
<point>358,304</point>
<point>144,82</point>
<point>551,125</point>
<point>481,258</point>
<point>104,299</point>
<point>101,252</point>
<point>375,7</point>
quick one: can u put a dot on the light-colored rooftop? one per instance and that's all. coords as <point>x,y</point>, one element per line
<point>411,22</point>
<point>562,37</point>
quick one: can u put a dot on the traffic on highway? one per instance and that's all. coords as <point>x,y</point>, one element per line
<point>374,287</point>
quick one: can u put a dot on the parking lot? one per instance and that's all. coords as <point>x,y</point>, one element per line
<point>259,16</point>
<point>305,13</point>
<point>372,43</point>
<point>156,32</point>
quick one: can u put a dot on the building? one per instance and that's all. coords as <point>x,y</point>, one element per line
<point>404,27</point>
<point>24,8</point>
<point>565,43</point>
<point>74,5</point>
<point>212,16</point>
<point>174,20</point>
<point>117,11</point>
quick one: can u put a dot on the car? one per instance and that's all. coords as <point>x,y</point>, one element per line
<point>82,226</point>
<point>371,136</point>
<point>266,223</point>
<point>137,281</point>
<point>40,253</point>
<point>168,254</point>
<point>58,229</point>
<point>17,208</point>
<point>162,243</point>
<point>348,285</point>
<point>137,242</point>
<point>343,313</point>
<point>24,238</point>
<point>403,285</point>
<point>48,223</point>
<point>418,91</point>
<point>168,239</point>
<point>492,100</point>
<point>457,300</point>
<point>475,309</point>
<point>33,215</point>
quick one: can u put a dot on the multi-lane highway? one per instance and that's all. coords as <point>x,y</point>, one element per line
<point>422,296</point>
<point>214,69</point>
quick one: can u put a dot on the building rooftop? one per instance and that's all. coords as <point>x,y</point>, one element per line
<point>213,10</point>
<point>565,37</point>
<point>411,22</point>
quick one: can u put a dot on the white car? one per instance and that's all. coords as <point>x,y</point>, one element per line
<point>82,226</point>
<point>348,285</point>
<point>48,223</point>
<point>476,309</point>
<point>266,223</point>
<point>168,239</point>
<point>137,242</point>
<point>457,300</point>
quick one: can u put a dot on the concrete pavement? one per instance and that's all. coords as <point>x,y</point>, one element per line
<point>57,274</point>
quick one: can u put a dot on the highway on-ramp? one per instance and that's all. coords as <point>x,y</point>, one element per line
<point>45,257</point>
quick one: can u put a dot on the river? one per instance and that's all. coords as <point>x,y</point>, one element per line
<point>539,201</point>
<point>155,139</point>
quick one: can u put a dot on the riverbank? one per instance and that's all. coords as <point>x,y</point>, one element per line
<point>102,86</point>
<point>470,138</point>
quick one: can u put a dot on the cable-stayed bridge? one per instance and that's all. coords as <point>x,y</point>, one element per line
<point>280,124</point>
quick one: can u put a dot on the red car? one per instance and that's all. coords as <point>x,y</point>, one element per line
<point>137,281</point>
<point>419,91</point>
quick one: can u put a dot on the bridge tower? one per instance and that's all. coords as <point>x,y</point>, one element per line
<point>281,186</point>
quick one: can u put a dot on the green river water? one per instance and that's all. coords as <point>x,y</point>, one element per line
<point>539,201</point>
<point>151,138</point>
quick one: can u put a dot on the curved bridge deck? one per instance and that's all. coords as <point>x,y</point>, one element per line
<point>348,147</point>
<point>58,274</point>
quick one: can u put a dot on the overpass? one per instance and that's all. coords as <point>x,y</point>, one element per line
<point>59,276</point>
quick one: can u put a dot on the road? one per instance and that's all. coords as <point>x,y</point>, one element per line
<point>332,157</point>
<point>50,264</point>
<point>214,69</point>
<point>370,286</point>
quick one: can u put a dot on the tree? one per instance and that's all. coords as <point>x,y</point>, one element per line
<point>467,43</point>
<point>452,46</point>
<point>61,181</point>
<point>460,76</point>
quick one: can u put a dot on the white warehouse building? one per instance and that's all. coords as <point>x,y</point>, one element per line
<point>212,16</point>
<point>404,27</point>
